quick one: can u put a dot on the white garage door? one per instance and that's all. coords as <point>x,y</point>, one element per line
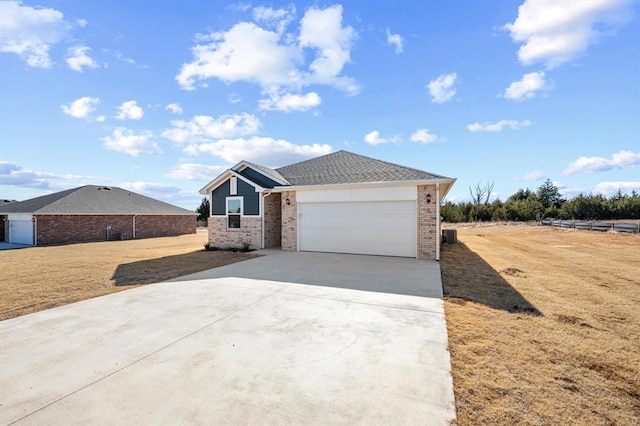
<point>21,232</point>
<point>380,228</point>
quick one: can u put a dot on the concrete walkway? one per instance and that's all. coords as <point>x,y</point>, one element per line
<point>288,338</point>
<point>12,246</point>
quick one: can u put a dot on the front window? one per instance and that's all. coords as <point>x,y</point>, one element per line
<point>234,211</point>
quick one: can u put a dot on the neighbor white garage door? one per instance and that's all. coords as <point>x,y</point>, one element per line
<point>21,232</point>
<point>380,228</point>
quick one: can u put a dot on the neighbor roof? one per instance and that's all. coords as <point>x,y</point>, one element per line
<point>92,199</point>
<point>346,167</point>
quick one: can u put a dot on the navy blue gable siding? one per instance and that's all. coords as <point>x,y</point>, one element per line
<point>251,198</point>
<point>246,191</point>
<point>259,178</point>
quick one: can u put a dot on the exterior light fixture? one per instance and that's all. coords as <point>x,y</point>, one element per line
<point>288,201</point>
<point>428,198</point>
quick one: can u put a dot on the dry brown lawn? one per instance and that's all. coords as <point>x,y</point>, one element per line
<point>544,325</point>
<point>39,278</point>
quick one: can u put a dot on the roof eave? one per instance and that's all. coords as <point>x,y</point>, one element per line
<point>241,164</point>
<point>448,182</point>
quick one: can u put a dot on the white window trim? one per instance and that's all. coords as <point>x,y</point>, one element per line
<point>226,205</point>
<point>233,186</point>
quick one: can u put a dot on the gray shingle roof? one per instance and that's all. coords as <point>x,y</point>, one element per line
<point>347,167</point>
<point>91,199</point>
<point>267,170</point>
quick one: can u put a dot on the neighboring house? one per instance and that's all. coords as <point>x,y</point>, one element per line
<point>341,202</point>
<point>92,213</point>
<point>2,233</point>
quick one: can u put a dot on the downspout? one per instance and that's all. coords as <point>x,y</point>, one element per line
<point>262,212</point>
<point>35,230</point>
<point>438,231</point>
<point>133,236</point>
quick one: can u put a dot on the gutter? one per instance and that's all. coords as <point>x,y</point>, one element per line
<point>133,236</point>
<point>438,223</point>
<point>35,230</point>
<point>448,181</point>
<point>262,214</point>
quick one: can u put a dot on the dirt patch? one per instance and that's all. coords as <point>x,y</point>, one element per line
<point>39,278</point>
<point>558,347</point>
<point>514,272</point>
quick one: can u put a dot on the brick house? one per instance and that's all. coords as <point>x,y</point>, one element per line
<point>92,213</point>
<point>341,202</point>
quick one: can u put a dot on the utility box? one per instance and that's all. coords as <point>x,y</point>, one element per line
<point>450,236</point>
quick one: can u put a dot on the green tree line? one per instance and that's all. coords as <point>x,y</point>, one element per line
<point>545,202</point>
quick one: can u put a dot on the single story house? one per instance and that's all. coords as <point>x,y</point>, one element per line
<point>341,202</point>
<point>92,213</point>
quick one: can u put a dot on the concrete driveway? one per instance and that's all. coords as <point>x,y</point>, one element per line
<point>288,338</point>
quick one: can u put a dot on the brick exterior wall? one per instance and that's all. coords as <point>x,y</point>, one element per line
<point>250,231</point>
<point>63,229</point>
<point>427,232</point>
<point>272,221</point>
<point>289,221</point>
<point>164,226</point>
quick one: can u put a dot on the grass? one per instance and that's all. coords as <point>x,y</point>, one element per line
<point>39,278</point>
<point>544,326</point>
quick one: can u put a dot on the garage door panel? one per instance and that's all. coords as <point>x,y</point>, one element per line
<point>21,232</point>
<point>382,228</point>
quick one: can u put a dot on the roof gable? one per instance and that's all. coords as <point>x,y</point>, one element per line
<point>223,177</point>
<point>92,199</point>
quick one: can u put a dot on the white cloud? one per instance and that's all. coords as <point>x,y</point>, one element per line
<point>81,107</point>
<point>149,188</point>
<point>535,175</point>
<point>262,150</point>
<point>174,108</point>
<point>322,30</point>
<point>441,89</point>
<point>373,138</point>
<point>101,118</point>
<point>598,164</point>
<point>554,32</point>
<point>204,128</point>
<point>610,188</point>
<point>273,60</point>
<point>30,32</point>
<point>278,19</point>
<point>528,87</point>
<point>129,111</point>
<point>235,98</point>
<point>290,102</point>
<point>129,142</point>
<point>14,175</point>
<point>395,40</point>
<point>423,136</point>
<point>82,22</point>
<point>498,126</point>
<point>195,171</point>
<point>78,58</point>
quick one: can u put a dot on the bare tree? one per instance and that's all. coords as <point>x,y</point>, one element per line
<point>481,193</point>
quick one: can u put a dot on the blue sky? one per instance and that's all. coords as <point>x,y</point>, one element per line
<point>161,97</point>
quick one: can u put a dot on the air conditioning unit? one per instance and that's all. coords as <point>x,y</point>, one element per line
<point>450,236</point>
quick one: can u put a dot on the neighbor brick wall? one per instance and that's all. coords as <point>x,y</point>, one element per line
<point>250,231</point>
<point>164,226</point>
<point>427,232</point>
<point>63,229</point>
<point>289,222</point>
<point>272,221</point>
